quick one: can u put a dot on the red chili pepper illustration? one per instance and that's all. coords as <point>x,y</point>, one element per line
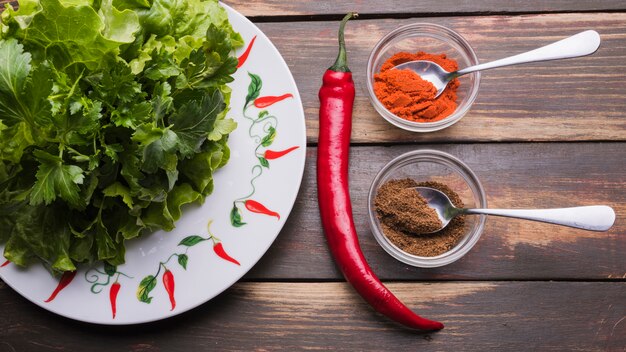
<point>244,56</point>
<point>259,208</point>
<point>5,264</point>
<point>264,102</point>
<point>218,248</point>
<point>168,282</point>
<point>115,289</point>
<point>271,154</point>
<point>66,279</point>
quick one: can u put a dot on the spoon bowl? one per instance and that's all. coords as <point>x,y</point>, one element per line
<point>439,201</point>
<point>593,218</point>
<point>581,44</point>
<point>429,71</point>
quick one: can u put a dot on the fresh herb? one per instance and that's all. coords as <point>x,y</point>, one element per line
<point>112,116</point>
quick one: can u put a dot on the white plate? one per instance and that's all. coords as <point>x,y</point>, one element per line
<point>206,274</point>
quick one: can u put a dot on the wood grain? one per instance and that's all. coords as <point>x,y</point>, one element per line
<point>577,99</point>
<point>274,8</point>
<point>295,298</point>
<point>513,175</point>
<point>277,8</point>
<point>479,316</point>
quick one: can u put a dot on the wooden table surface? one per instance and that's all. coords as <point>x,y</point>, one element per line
<point>541,135</point>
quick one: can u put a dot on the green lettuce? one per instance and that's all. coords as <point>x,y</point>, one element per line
<point>112,117</point>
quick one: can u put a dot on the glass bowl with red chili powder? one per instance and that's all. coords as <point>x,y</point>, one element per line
<point>396,224</point>
<point>406,100</point>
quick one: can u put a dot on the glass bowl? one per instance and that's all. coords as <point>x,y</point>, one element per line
<point>432,165</point>
<point>434,39</point>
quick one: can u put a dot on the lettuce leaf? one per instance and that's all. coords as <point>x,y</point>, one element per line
<point>113,116</point>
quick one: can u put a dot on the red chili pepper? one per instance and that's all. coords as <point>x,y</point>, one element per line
<point>115,289</point>
<point>9,262</point>
<point>264,102</point>
<point>219,250</point>
<point>168,282</point>
<point>271,154</point>
<point>66,279</point>
<point>335,115</point>
<point>259,208</point>
<point>244,56</point>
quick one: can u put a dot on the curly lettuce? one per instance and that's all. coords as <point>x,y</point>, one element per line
<point>112,117</point>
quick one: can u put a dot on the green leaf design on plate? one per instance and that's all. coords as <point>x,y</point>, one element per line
<point>109,269</point>
<point>235,217</point>
<point>263,113</point>
<point>269,138</point>
<point>254,89</point>
<point>145,286</point>
<point>264,162</point>
<point>182,260</point>
<point>191,241</point>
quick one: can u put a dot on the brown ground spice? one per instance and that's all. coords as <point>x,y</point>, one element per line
<point>405,218</point>
<point>406,209</point>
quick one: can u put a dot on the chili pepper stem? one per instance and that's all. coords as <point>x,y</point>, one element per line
<point>341,64</point>
<point>212,237</point>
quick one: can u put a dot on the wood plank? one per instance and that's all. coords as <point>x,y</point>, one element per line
<point>513,175</point>
<point>479,316</point>
<point>273,8</point>
<point>559,101</point>
<point>578,99</point>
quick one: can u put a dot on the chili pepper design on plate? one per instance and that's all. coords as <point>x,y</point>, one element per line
<point>113,291</point>
<point>99,279</point>
<point>275,154</point>
<point>269,100</point>
<point>149,282</point>
<point>168,282</point>
<point>256,207</point>
<point>335,115</point>
<point>263,131</point>
<point>218,248</point>
<point>252,206</point>
<point>65,280</point>
<point>5,263</point>
<point>242,59</point>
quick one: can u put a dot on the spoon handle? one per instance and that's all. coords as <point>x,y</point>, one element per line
<point>594,218</point>
<point>581,44</point>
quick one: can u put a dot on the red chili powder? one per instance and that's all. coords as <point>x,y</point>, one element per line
<point>407,95</point>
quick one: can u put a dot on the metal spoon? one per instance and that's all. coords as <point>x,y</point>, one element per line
<point>581,44</point>
<point>594,218</point>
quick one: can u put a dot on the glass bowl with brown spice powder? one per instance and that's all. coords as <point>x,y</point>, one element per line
<point>401,220</point>
<point>402,97</point>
